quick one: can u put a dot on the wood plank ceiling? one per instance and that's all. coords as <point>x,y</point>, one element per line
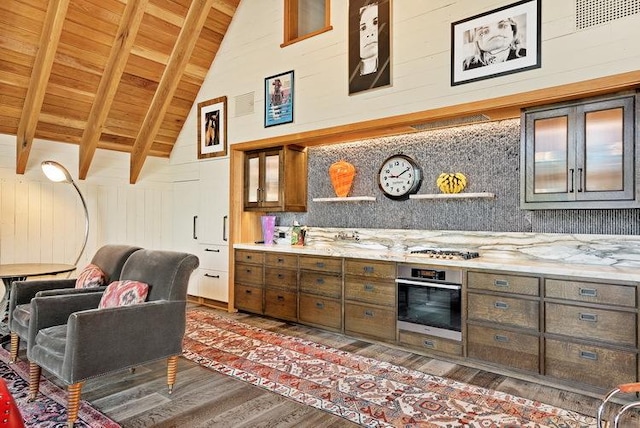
<point>110,74</point>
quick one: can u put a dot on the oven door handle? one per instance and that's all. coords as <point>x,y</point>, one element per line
<point>429,284</point>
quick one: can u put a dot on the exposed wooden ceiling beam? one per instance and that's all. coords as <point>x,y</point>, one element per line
<point>196,17</point>
<point>49,39</point>
<point>125,37</point>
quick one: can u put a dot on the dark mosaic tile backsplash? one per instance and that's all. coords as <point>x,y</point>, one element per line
<point>488,154</point>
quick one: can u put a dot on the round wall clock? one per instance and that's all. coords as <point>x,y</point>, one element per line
<point>399,177</point>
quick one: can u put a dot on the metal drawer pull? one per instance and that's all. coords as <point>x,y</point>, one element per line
<point>500,338</point>
<point>319,280</point>
<point>280,276</point>
<point>589,317</point>
<point>588,292</point>
<point>429,343</point>
<point>501,305</point>
<point>368,287</point>
<point>213,250</point>
<point>368,313</point>
<point>280,260</point>
<point>320,305</point>
<point>248,257</point>
<point>368,269</point>
<point>208,275</point>
<point>501,283</point>
<point>247,291</point>
<point>588,355</point>
<point>280,298</point>
<point>248,271</point>
<point>320,264</point>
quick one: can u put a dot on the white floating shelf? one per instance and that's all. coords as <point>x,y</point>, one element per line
<point>346,199</point>
<point>484,195</point>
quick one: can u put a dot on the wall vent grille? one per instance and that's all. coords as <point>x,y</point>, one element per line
<point>244,104</point>
<point>595,12</point>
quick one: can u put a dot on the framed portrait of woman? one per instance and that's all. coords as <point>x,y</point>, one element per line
<point>498,42</point>
<point>369,44</point>
<point>212,128</point>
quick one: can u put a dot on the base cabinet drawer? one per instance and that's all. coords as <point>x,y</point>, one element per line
<point>504,310</point>
<point>377,292</point>
<point>428,343</point>
<point>370,321</point>
<point>281,304</point>
<point>506,348</point>
<point>286,278</point>
<point>321,283</point>
<point>321,311</point>
<point>592,324</point>
<point>504,283</point>
<point>589,364</point>
<point>248,298</point>
<point>249,274</point>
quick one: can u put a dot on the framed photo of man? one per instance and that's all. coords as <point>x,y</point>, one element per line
<point>502,41</point>
<point>369,44</point>
<point>278,99</point>
<point>212,128</point>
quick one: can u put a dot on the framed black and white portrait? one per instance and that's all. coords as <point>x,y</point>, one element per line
<point>278,99</point>
<point>369,44</point>
<point>502,41</point>
<point>212,128</point>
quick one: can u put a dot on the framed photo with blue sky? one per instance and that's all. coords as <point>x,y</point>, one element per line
<point>278,99</point>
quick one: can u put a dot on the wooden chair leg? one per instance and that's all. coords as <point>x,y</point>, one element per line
<point>172,367</point>
<point>73,403</point>
<point>15,347</point>
<point>34,380</point>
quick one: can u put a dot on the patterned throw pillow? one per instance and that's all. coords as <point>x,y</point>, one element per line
<point>124,293</point>
<point>91,276</point>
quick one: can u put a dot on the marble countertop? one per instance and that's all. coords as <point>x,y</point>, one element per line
<point>489,259</point>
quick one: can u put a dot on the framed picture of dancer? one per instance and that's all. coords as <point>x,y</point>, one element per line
<point>212,128</point>
<point>369,44</point>
<point>495,43</point>
<point>278,99</point>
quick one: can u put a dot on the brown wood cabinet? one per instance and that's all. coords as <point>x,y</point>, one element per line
<point>370,299</point>
<point>249,280</point>
<point>503,319</point>
<point>275,179</point>
<point>320,300</point>
<point>281,286</point>
<point>591,329</point>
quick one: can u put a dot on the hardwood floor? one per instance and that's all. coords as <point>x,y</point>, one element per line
<point>204,398</point>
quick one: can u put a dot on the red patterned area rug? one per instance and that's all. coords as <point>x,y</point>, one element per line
<point>49,409</point>
<point>363,390</point>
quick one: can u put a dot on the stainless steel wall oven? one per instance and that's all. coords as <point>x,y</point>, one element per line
<point>429,301</point>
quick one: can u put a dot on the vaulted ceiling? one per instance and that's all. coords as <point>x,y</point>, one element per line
<point>110,74</point>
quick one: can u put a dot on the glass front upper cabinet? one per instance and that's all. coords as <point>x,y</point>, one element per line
<point>580,155</point>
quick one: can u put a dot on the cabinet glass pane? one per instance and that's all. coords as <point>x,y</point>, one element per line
<point>254,179</point>
<point>550,155</point>
<point>603,135</point>
<point>272,178</point>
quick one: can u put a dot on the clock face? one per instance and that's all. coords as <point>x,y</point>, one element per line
<point>399,176</point>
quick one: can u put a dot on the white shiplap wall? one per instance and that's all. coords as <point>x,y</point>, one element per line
<point>41,221</point>
<point>420,64</point>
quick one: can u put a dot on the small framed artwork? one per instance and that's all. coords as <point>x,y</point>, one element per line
<point>278,99</point>
<point>369,44</point>
<point>212,128</point>
<point>502,41</point>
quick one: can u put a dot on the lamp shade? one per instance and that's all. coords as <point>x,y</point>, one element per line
<point>56,172</point>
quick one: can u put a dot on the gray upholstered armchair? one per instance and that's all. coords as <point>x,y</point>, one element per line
<point>109,258</point>
<point>90,342</point>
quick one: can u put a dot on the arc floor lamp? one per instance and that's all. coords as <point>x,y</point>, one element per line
<point>59,174</point>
